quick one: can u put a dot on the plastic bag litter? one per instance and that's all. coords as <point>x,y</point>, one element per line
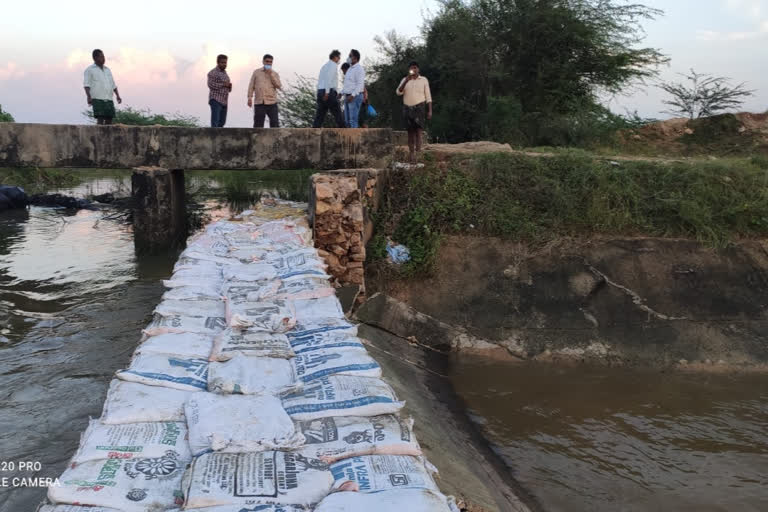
<point>187,344</point>
<point>325,341</point>
<point>398,253</point>
<point>342,395</point>
<point>374,473</point>
<point>252,375</point>
<point>198,308</point>
<point>233,342</point>
<point>167,371</point>
<point>132,441</point>
<point>130,402</point>
<point>335,361</point>
<point>255,478</point>
<point>130,485</point>
<point>182,323</point>
<point>404,500</point>
<point>267,316</point>
<point>332,439</point>
<point>239,424</point>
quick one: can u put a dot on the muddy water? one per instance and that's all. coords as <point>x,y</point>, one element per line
<point>74,295</point>
<point>594,439</point>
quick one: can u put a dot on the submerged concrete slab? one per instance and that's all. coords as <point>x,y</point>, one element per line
<point>121,146</point>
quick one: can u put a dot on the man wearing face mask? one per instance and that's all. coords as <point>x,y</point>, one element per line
<point>262,94</point>
<point>354,85</point>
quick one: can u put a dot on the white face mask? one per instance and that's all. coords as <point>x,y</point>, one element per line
<point>349,60</point>
<point>267,66</point>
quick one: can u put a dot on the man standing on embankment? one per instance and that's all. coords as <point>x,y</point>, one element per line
<point>327,91</point>
<point>262,94</point>
<point>99,88</point>
<point>354,85</point>
<point>219,86</point>
<point>417,106</point>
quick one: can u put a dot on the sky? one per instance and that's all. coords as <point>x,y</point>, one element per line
<point>160,51</point>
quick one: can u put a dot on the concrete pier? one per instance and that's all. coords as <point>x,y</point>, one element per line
<point>159,216</point>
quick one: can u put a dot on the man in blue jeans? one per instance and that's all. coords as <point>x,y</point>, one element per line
<point>354,85</point>
<point>219,87</point>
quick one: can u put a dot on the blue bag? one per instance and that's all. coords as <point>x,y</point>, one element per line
<point>372,111</point>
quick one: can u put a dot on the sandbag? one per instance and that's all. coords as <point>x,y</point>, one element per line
<point>255,508</point>
<point>402,500</point>
<point>239,424</point>
<point>342,395</point>
<point>303,287</point>
<point>252,272</point>
<point>130,485</point>
<point>197,272</point>
<point>324,340</point>
<point>331,439</point>
<point>130,402</point>
<point>252,375</point>
<point>245,291</point>
<point>207,283</point>
<point>323,308</point>
<point>167,371</point>
<point>192,293</point>
<point>199,308</point>
<point>74,508</point>
<point>374,473</point>
<point>321,327</point>
<point>335,361</point>
<point>233,342</point>
<point>132,441</point>
<point>255,478</point>
<point>267,316</point>
<point>187,344</point>
<point>184,323</point>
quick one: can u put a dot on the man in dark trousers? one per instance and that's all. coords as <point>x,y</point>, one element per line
<point>219,87</point>
<point>262,94</point>
<point>327,91</point>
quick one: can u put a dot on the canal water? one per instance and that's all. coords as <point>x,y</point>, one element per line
<point>74,295</point>
<point>601,439</point>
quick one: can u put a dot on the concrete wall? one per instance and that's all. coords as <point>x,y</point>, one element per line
<point>121,146</point>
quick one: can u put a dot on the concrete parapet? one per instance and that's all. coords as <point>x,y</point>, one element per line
<point>121,146</point>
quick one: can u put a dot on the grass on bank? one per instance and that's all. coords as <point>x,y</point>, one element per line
<point>36,181</point>
<point>571,194</point>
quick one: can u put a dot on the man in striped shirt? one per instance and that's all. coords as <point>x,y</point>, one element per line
<point>219,87</point>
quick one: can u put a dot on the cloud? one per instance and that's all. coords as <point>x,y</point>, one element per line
<point>749,9</point>
<point>11,71</point>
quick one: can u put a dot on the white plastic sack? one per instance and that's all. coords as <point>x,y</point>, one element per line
<point>187,344</point>
<point>233,342</point>
<point>255,478</point>
<point>323,308</point>
<point>198,308</point>
<point>167,371</point>
<point>192,273</point>
<point>132,441</point>
<point>304,287</point>
<point>239,424</point>
<point>404,500</point>
<point>193,293</point>
<point>183,323</point>
<point>130,402</point>
<point>207,283</point>
<point>267,316</point>
<point>342,395</point>
<point>374,473</point>
<point>74,508</point>
<point>254,508</point>
<point>249,272</point>
<point>131,485</point>
<point>252,375</point>
<point>321,327</point>
<point>246,291</point>
<point>331,439</point>
<point>324,340</point>
<point>210,244</point>
<point>335,361</point>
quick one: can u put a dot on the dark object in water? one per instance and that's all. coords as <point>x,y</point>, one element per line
<point>107,198</point>
<point>61,201</point>
<point>12,197</point>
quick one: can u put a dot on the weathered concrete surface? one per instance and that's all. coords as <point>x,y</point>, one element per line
<point>622,301</point>
<point>468,468</point>
<point>402,320</point>
<point>159,215</point>
<point>120,146</point>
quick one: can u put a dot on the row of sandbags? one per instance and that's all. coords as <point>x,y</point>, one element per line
<point>250,391</point>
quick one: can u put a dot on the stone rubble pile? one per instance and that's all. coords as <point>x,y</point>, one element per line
<point>250,390</point>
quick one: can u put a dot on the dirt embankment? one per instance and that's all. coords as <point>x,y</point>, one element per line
<point>646,301</point>
<point>723,135</point>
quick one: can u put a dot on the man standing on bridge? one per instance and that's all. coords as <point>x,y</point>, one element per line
<point>354,85</point>
<point>99,88</point>
<point>327,91</point>
<point>262,94</point>
<point>220,87</point>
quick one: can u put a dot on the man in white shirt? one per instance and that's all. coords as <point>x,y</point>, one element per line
<point>354,85</point>
<point>327,91</point>
<point>99,88</point>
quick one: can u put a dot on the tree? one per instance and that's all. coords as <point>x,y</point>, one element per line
<point>298,104</point>
<point>546,62</point>
<point>706,96</point>
<point>5,117</point>
<point>144,117</point>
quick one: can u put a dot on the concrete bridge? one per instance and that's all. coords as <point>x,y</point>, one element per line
<point>170,147</point>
